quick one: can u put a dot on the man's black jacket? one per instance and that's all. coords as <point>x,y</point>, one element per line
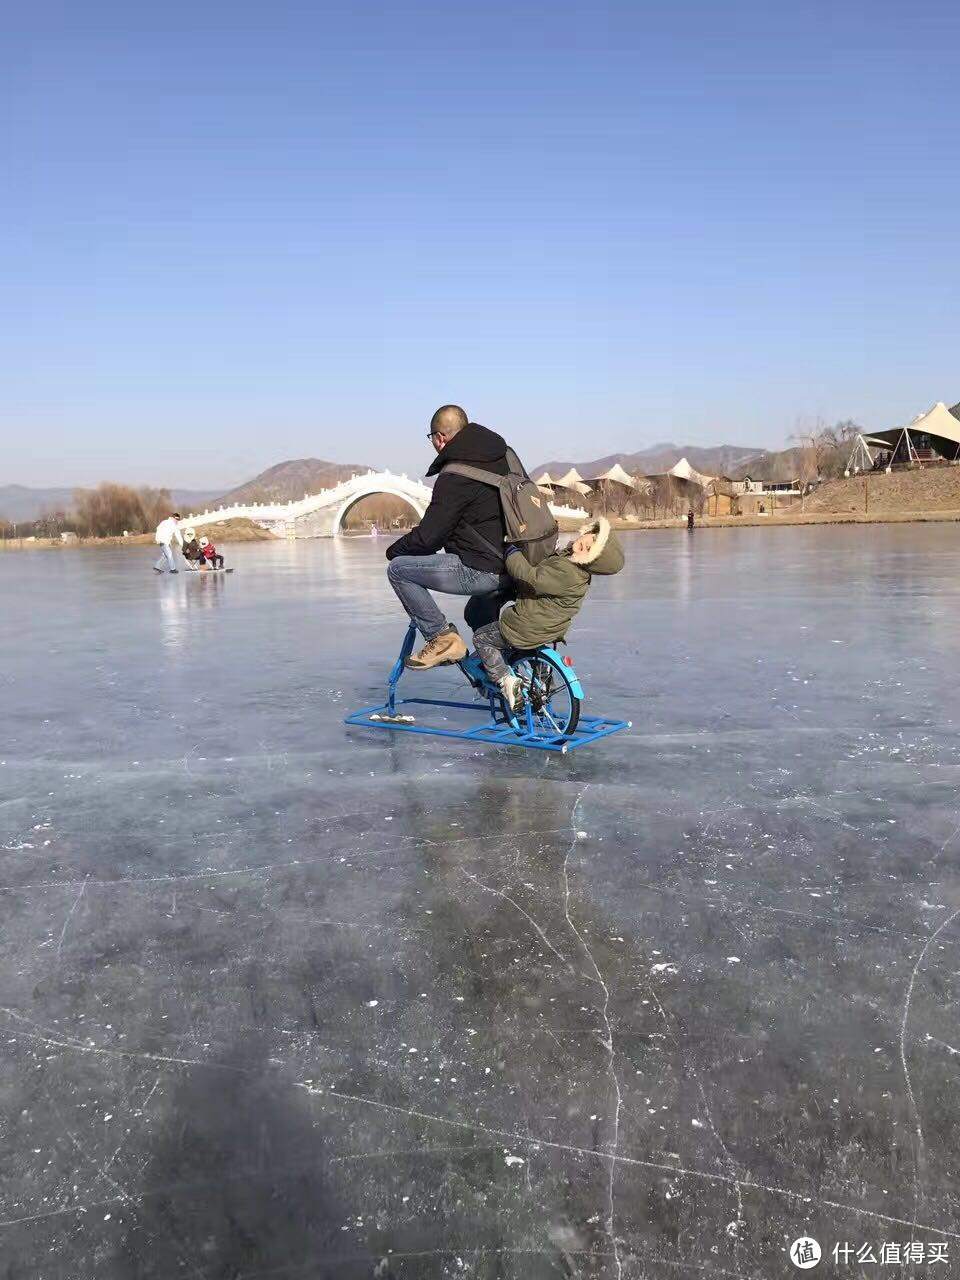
<point>459,504</point>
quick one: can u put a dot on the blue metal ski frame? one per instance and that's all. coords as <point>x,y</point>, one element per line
<point>501,729</point>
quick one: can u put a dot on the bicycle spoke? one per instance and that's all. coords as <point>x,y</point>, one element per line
<point>550,704</point>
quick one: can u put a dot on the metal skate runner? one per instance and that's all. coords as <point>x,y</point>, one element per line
<point>549,719</point>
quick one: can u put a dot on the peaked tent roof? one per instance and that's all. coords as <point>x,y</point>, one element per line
<point>617,474</point>
<point>570,479</point>
<point>938,421</point>
<point>546,481</point>
<point>683,471</point>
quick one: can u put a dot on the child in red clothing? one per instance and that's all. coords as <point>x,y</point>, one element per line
<point>210,554</point>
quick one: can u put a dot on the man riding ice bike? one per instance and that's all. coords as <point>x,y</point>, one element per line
<point>454,548</point>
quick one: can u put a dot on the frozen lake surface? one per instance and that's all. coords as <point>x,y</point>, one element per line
<point>282,999</point>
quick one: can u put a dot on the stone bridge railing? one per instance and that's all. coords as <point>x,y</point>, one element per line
<point>319,515</point>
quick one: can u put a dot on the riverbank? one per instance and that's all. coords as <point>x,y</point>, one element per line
<point>779,521</point>
<point>226,531</point>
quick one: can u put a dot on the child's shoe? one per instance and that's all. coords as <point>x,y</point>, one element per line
<point>512,691</point>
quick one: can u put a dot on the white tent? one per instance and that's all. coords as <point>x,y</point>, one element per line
<point>937,424</point>
<point>570,480</point>
<point>938,421</point>
<point>683,471</point>
<point>546,481</point>
<point>617,474</point>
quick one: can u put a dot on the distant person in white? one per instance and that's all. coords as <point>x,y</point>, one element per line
<point>167,531</point>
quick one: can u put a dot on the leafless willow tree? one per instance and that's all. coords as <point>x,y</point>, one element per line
<point>112,509</point>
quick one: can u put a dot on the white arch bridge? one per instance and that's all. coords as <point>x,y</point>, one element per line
<point>320,515</point>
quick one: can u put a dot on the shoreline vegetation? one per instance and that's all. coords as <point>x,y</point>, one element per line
<point>233,531</point>
<point>224,531</point>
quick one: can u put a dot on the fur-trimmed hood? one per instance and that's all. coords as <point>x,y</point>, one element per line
<point>606,554</point>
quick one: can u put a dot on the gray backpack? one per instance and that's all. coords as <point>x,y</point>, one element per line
<point>528,519</point>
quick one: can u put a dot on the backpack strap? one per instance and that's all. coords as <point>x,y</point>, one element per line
<point>485,543</point>
<point>482,477</point>
<point>496,482</point>
<point>514,468</point>
<point>474,473</point>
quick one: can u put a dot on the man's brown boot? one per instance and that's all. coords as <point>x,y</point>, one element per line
<point>445,646</point>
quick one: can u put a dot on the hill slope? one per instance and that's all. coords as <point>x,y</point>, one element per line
<point>932,489</point>
<point>782,465</point>
<point>288,481</point>
<point>715,460</point>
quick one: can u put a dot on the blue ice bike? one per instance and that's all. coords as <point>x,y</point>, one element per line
<point>549,717</point>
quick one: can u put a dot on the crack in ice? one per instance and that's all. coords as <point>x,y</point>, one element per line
<point>606,1040</point>
<point>918,1127</point>
<point>506,897</point>
<point>63,931</point>
<point>633,1162</point>
<point>731,1163</point>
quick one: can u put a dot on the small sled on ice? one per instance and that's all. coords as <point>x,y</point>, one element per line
<point>549,718</point>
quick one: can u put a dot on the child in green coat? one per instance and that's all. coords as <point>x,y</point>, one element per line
<point>549,596</point>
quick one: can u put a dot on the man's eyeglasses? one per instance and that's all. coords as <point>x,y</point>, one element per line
<point>432,435</point>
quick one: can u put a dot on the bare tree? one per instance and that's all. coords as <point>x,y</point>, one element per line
<point>838,441</point>
<point>822,451</point>
<point>156,505</point>
<point>112,509</point>
<point>613,498</point>
<point>50,524</point>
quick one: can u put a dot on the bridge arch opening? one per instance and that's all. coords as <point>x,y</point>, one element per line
<point>383,508</point>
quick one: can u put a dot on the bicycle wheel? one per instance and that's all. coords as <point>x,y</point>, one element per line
<point>551,709</point>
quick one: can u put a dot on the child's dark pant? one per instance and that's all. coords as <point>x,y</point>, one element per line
<point>490,645</point>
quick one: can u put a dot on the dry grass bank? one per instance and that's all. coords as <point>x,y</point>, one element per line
<point>782,521</point>
<point>225,531</point>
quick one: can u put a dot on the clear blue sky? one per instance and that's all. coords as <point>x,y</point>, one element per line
<point>236,233</point>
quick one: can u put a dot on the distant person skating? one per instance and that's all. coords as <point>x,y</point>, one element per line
<point>168,531</point>
<point>549,596</point>
<point>690,519</point>
<point>210,554</point>
<point>465,520</point>
<point>192,551</point>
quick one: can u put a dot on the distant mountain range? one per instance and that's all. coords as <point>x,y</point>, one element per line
<point>281,483</point>
<point>716,460</point>
<point>22,504</point>
<point>288,481</point>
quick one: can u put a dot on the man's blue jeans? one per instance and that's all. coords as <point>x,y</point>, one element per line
<point>414,577</point>
<point>166,560</point>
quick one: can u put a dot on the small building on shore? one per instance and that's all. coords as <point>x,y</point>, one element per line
<point>764,497</point>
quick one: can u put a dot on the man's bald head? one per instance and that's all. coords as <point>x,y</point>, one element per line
<point>448,420</point>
